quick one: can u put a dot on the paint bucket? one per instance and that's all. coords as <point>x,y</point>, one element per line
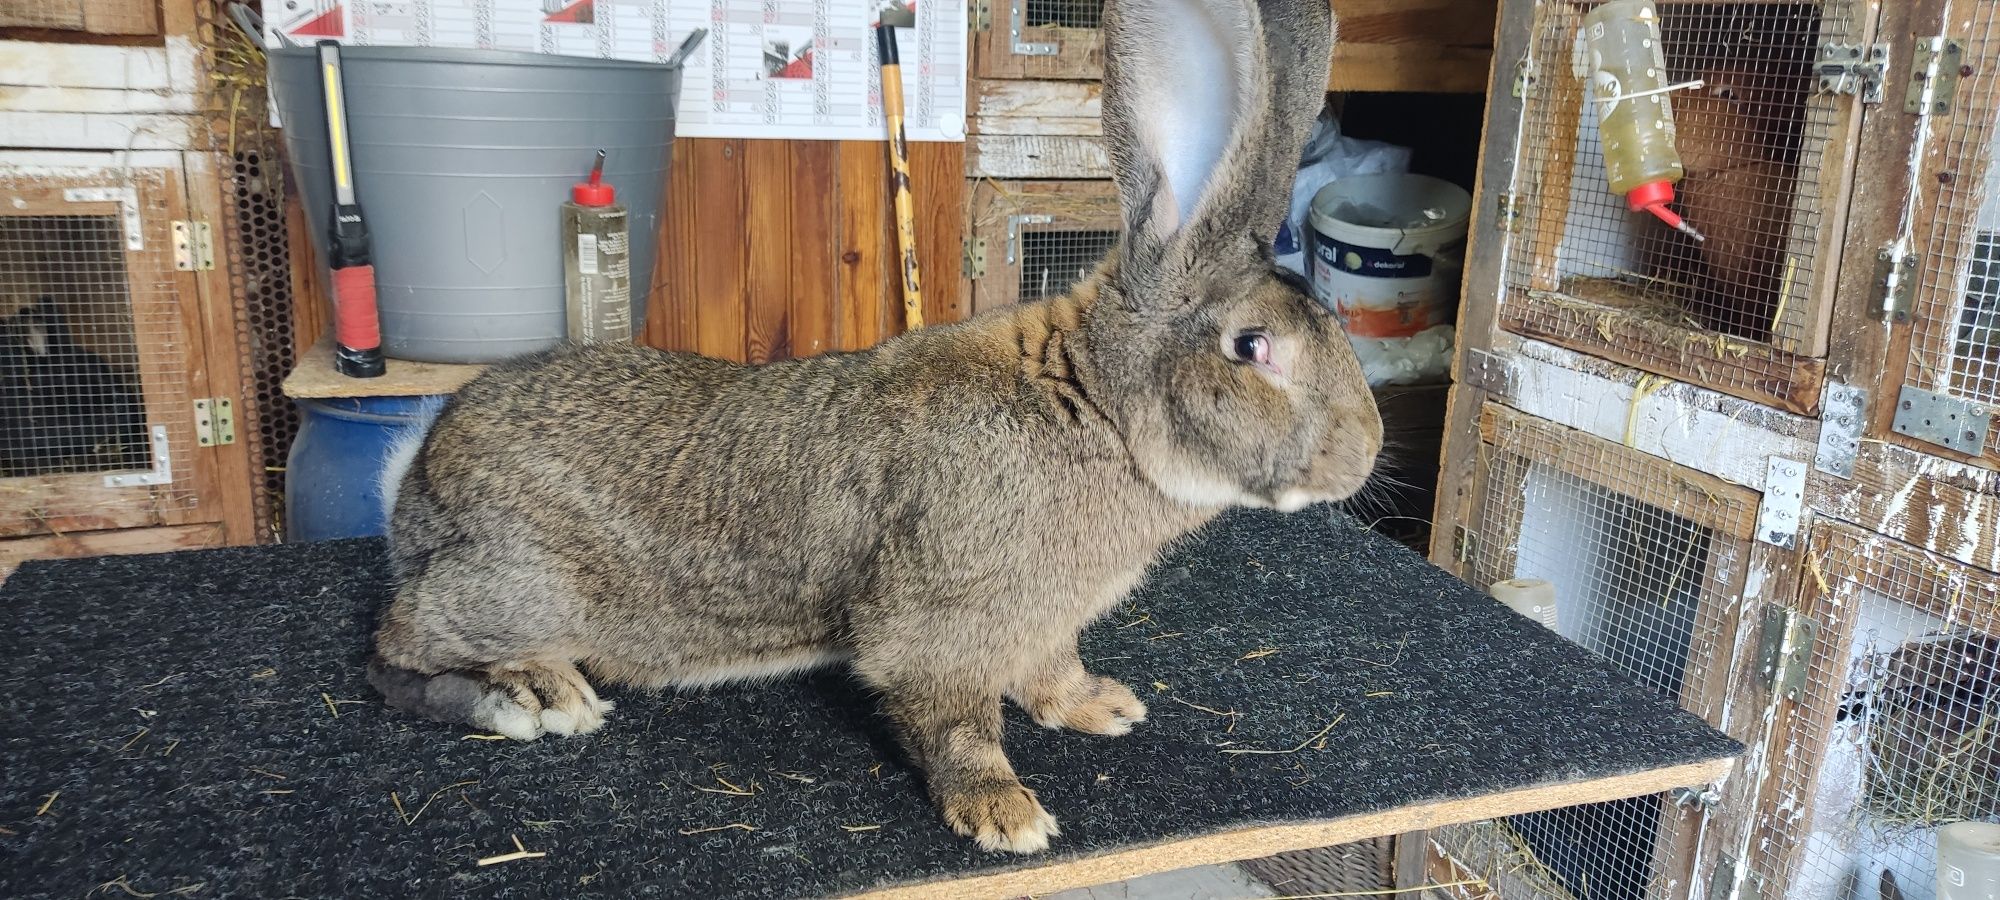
<point>1388,251</point>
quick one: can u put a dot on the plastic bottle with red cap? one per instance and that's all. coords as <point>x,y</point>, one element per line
<point>597,268</point>
<point>1629,87</point>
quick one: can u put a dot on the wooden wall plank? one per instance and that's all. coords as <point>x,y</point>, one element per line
<point>811,242</point>
<point>721,252</point>
<point>937,174</point>
<point>768,188</point>
<point>670,310</point>
<point>864,241</point>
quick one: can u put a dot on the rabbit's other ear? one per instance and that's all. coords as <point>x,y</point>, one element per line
<point>1207,105</point>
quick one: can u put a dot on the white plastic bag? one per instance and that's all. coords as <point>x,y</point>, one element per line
<point>1329,156</point>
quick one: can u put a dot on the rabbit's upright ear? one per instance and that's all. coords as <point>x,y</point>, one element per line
<point>1207,105</point>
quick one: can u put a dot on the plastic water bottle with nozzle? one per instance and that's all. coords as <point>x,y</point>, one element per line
<point>1635,118</point>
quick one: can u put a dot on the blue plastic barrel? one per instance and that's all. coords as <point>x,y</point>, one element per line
<point>333,474</point>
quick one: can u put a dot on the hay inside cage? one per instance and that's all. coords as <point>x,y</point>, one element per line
<point>1934,739</point>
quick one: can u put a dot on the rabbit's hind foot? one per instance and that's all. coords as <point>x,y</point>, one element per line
<point>521,700</point>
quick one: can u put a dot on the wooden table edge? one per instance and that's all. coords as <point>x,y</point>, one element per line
<point>1265,840</point>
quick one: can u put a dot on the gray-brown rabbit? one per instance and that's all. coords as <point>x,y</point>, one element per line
<point>943,513</point>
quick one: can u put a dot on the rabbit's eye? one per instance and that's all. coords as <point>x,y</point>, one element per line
<point>1253,347</point>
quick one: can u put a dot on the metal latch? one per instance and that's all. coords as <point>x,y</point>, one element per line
<point>1783,503</point>
<point>1852,69</point>
<point>193,249</point>
<point>1508,212</point>
<point>1014,224</point>
<point>1704,798</point>
<point>973,259</point>
<point>1935,68</point>
<point>1842,408</point>
<point>1951,422</point>
<point>1784,648</point>
<point>1893,272</point>
<point>1016,20</point>
<point>214,421</point>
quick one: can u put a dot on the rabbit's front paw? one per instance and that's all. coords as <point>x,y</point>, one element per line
<point>1099,706</point>
<point>545,697</point>
<point>1000,815</point>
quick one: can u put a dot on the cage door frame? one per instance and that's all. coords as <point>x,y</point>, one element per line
<point>1842,560</point>
<point>1003,211</point>
<point>165,310</point>
<point>1009,47</point>
<point>1787,370</point>
<point>1952,163</point>
<point>1490,544</point>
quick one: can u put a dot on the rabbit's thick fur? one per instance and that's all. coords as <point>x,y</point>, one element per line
<point>945,512</point>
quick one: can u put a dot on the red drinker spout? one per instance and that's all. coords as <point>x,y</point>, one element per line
<point>1653,197</point>
<point>594,192</point>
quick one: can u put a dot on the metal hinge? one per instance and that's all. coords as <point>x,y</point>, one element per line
<point>1014,224</point>
<point>972,259</point>
<point>1852,69</point>
<point>1722,885</point>
<point>1016,20</point>
<point>1935,68</point>
<point>1893,272</point>
<point>1784,648</point>
<point>162,471</point>
<point>1524,79</point>
<point>1951,422</point>
<point>1842,408</point>
<point>1784,502</point>
<point>1464,545</point>
<point>1507,209</point>
<point>193,249</point>
<point>214,421</point>
<point>1486,371</point>
<point>981,14</point>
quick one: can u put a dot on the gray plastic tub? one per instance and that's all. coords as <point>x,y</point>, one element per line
<point>462,159</point>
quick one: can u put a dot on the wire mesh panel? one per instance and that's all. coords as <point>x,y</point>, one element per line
<point>1032,240</point>
<point>1648,560</point>
<point>93,355</point>
<point>1955,336</point>
<point>86,16</point>
<point>1765,146</point>
<point>1896,730</point>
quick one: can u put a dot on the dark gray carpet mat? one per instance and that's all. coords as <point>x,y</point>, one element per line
<point>198,725</point>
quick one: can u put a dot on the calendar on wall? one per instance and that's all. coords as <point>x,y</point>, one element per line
<point>790,69</point>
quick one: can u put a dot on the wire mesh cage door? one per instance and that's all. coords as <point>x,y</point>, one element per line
<point>1894,727</point>
<point>1950,384</point>
<point>96,346</point>
<point>1768,142</point>
<point>1054,39</point>
<point>1648,560</point>
<point>1031,240</point>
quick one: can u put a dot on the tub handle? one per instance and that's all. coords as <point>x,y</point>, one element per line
<point>252,25</point>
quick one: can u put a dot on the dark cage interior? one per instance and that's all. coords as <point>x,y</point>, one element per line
<point>1062,13</point>
<point>70,393</point>
<point>1741,137</point>
<point>1052,261</point>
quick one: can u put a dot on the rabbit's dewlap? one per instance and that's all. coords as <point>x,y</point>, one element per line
<point>943,513</point>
